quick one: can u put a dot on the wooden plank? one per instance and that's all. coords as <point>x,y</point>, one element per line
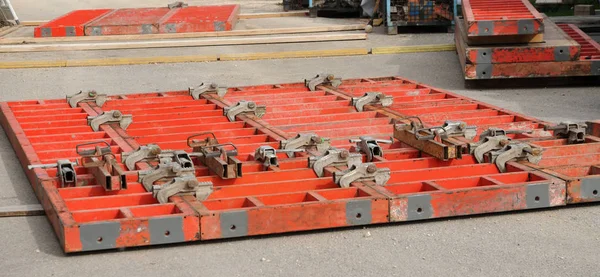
<point>9,30</point>
<point>271,31</point>
<point>295,54</point>
<point>413,49</point>
<point>178,43</point>
<point>22,210</point>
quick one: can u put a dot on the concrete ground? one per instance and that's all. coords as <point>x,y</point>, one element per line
<point>555,242</point>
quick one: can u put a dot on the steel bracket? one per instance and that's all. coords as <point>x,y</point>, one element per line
<point>219,160</point>
<point>445,149</point>
<point>103,165</point>
<point>244,107</point>
<point>178,4</point>
<point>149,151</point>
<point>184,185</point>
<point>90,96</point>
<point>372,98</point>
<point>114,116</point>
<point>362,172</point>
<point>164,170</point>
<point>370,146</point>
<point>307,141</point>
<point>207,88</point>
<point>333,157</point>
<point>66,173</point>
<point>322,79</point>
<point>573,132</point>
<point>515,151</point>
<point>178,156</point>
<point>268,155</point>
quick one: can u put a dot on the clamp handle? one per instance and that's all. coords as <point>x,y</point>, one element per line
<point>92,152</point>
<point>190,141</point>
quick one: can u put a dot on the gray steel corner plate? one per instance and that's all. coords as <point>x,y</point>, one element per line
<point>562,53</point>
<point>98,236</point>
<point>70,31</point>
<point>234,224</point>
<point>525,27</point>
<point>46,32</point>
<point>538,196</point>
<point>358,212</point>
<point>595,68</point>
<point>485,25</point>
<point>484,55</point>
<point>219,26</point>
<point>419,207</point>
<point>484,71</point>
<point>96,31</point>
<point>147,29</point>
<point>171,28</point>
<point>589,186</point>
<point>166,230</point>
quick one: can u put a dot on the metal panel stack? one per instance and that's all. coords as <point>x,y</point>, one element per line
<point>512,40</point>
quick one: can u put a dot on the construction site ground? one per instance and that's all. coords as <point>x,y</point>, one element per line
<point>557,242</point>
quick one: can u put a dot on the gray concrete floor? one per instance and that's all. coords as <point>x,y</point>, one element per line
<point>556,242</point>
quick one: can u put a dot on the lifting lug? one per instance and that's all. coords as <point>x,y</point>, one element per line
<point>333,157</point>
<point>515,151</point>
<point>110,117</point>
<point>323,79</point>
<point>573,132</point>
<point>268,155</point>
<point>244,107</point>
<point>149,151</point>
<point>207,88</point>
<point>307,141</point>
<point>184,185</point>
<point>372,98</point>
<point>362,172</point>
<point>89,96</point>
<point>370,146</point>
<point>449,129</point>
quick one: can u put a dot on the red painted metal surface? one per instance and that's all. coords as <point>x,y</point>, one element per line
<point>141,21</point>
<point>590,49</point>
<point>71,24</point>
<point>287,198</point>
<point>501,18</point>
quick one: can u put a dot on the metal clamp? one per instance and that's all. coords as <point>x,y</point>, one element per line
<point>488,144</point>
<point>370,146</point>
<point>219,160</point>
<point>103,165</point>
<point>244,107</point>
<point>495,132</point>
<point>573,132</point>
<point>322,79</point>
<point>362,172</point>
<point>515,151</point>
<point>307,141</point>
<point>178,156</point>
<point>333,157</point>
<point>178,4</point>
<point>372,98</point>
<point>64,171</point>
<point>149,151</point>
<point>89,96</point>
<point>164,170</point>
<point>207,88</point>
<point>110,117</point>
<point>449,129</point>
<point>184,185</point>
<point>209,139</point>
<point>268,155</point>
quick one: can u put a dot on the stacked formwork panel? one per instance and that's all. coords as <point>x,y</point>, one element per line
<point>512,40</point>
<point>290,191</point>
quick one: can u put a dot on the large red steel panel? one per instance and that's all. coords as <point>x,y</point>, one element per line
<point>275,199</point>
<point>201,19</point>
<point>501,18</point>
<point>71,24</point>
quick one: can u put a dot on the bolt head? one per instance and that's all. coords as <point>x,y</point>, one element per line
<point>251,105</point>
<point>213,85</point>
<point>117,114</point>
<point>315,139</point>
<point>330,77</point>
<point>92,93</point>
<point>371,168</point>
<point>536,151</point>
<point>344,154</point>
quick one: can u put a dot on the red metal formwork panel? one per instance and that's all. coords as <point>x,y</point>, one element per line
<point>127,22</point>
<point>556,47</point>
<point>266,199</point>
<point>501,18</point>
<point>201,19</point>
<point>71,24</point>
<point>590,49</point>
